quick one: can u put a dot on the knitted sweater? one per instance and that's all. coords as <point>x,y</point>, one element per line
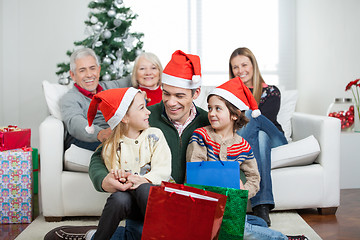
<point>74,107</point>
<point>270,104</point>
<point>148,155</point>
<point>206,145</point>
<point>177,144</point>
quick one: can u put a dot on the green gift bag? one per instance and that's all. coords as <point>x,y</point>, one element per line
<point>233,223</point>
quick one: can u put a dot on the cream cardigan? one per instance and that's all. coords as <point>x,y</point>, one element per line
<point>148,155</point>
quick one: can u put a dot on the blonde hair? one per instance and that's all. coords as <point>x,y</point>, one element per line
<point>112,142</point>
<point>257,79</point>
<point>151,58</point>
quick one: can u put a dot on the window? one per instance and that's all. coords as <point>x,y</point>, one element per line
<point>213,29</point>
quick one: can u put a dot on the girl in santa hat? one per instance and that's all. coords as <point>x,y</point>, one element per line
<point>136,154</point>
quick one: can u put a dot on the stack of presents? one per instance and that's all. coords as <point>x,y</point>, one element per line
<point>206,207</point>
<point>16,175</point>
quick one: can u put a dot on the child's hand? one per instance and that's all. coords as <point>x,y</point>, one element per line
<point>121,175</point>
<point>136,180</point>
<point>242,185</point>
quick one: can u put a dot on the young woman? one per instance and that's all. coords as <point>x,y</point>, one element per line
<point>137,155</point>
<point>243,64</point>
<point>146,76</point>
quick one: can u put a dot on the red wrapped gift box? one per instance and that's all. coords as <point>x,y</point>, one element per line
<point>12,137</point>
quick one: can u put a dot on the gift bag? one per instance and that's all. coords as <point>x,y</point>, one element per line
<point>214,173</point>
<point>12,137</point>
<point>181,212</point>
<point>233,223</point>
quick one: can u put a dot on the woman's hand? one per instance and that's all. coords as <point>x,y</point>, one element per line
<point>136,180</point>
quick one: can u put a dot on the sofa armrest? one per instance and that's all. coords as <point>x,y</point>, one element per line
<point>51,134</point>
<point>327,131</point>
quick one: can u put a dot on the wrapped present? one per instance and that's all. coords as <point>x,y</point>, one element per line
<point>177,212</point>
<point>13,137</point>
<point>227,173</point>
<point>233,223</point>
<point>16,184</point>
<point>35,161</point>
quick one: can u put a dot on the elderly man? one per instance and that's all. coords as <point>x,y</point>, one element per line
<point>85,71</point>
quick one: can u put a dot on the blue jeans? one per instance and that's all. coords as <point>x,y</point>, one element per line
<point>262,135</point>
<point>256,228</point>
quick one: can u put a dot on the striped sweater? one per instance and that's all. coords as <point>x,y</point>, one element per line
<point>206,145</point>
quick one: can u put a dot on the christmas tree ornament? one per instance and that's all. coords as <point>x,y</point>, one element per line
<point>111,13</point>
<point>107,60</point>
<point>93,19</point>
<point>112,56</point>
<point>98,44</point>
<point>117,3</point>
<point>96,27</point>
<point>117,22</point>
<point>106,77</point>
<point>107,34</point>
<point>120,16</point>
<point>118,53</point>
<point>118,39</point>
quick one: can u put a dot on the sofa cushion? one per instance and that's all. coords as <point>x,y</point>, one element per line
<point>77,159</point>
<point>298,153</point>
<point>53,92</point>
<point>287,108</point>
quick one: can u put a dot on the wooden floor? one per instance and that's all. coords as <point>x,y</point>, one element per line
<point>344,225</point>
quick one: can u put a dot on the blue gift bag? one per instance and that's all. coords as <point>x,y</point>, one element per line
<point>214,173</point>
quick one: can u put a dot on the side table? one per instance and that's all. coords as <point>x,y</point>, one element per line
<point>349,160</point>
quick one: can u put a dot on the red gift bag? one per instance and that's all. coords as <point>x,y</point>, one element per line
<point>181,212</point>
<point>12,137</point>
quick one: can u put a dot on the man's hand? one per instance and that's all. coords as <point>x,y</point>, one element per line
<point>104,134</point>
<point>136,180</point>
<point>111,184</point>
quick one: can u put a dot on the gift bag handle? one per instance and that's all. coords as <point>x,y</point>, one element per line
<point>219,161</point>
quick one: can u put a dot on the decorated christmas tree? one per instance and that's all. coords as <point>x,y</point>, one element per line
<point>109,36</point>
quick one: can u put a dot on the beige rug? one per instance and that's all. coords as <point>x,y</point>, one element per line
<point>289,223</point>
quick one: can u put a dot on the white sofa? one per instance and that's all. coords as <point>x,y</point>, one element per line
<point>310,180</point>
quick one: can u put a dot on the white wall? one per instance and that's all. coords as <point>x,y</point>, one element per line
<point>328,51</point>
<point>35,36</point>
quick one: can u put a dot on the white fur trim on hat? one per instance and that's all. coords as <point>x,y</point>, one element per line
<point>230,97</point>
<point>181,82</point>
<point>123,107</point>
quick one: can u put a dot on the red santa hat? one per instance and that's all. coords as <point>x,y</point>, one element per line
<point>113,103</point>
<point>239,95</point>
<point>183,70</point>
